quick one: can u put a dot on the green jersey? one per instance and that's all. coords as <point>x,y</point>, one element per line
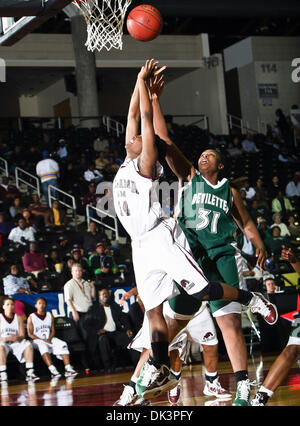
<point>205,216</point>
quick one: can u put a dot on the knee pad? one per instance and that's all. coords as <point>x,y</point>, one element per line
<point>213,290</point>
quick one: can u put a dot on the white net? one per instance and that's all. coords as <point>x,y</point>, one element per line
<point>105,20</point>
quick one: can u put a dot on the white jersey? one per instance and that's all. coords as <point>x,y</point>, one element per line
<point>41,328</point>
<point>8,328</point>
<point>135,199</point>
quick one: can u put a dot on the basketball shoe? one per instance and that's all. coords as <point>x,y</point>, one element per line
<point>174,394</point>
<point>155,381</point>
<point>262,306</point>
<point>259,399</point>
<point>242,393</point>
<point>215,389</point>
<point>70,372</point>
<point>30,376</point>
<point>127,398</point>
<point>141,402</point>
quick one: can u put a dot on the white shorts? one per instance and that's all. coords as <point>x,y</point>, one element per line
<point>17,348</point>
<point>161,256</point>
<point>57,347</point>
<point>200,329</point>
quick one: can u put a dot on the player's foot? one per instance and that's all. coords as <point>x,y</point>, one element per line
<point>141,384</point>
<point>142,402</point>
<point>261,305</point>
<point>55,375</point>
<point>258,400</point>
<point>242,393</point>
<point>174,394</point>
<point>3,376</point>
<point>70,372</point>
<point>127,398</point>
<point>30,376</point>
<point>157,381</point>
<point>215,389</point>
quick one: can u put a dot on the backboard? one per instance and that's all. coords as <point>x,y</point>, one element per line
<point>20,17</point>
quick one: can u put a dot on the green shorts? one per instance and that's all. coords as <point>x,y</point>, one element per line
<point>222,269</point>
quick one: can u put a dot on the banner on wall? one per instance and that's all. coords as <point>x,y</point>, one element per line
<point>56,302</point>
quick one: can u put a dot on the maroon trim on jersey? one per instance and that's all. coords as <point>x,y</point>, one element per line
<point>9,320</point>
<point>41,317</point>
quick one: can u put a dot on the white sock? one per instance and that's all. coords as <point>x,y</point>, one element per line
<point>2,368</point>
<point>29,365</point>
<point>68,367</point>
<point>175,373</point>
<point>52,369</point>
<point>267,391</point>
<point>134,379</point>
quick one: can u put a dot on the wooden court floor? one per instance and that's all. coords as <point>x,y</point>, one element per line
<point>104,390</point>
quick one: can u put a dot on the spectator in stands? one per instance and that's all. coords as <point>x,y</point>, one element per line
<point>77,256</point>
<point>250,192</point>
<point>270,284</point>
<point>5,228</point>
<point>261,191</point>
<point>54,262</point>
<point>66,274</point>
<point>108,330</point>
<point>48,171</point>
<point>100,143</point>
<point>40,210</point>
<point>292,190</point>
<point>62,151</point>
<point>30,222</point>
<point>16,209</point>
<point>274,187</point>
<point>79,295</point>
<point>13,283</point>
<point>293,227</point>
<point>7,190</point>
<point>21,235</point>
<point>101,162</point>
<point>33,261</point>
<point>248,145</point>
<point>283,228</point>
<point>59,216</point>
<point>101,264</point>
<point>243,197</point>
<point>111,168</point>
<point>233,151</point>
<point>254,212</point>
<point>247,248</point>
<point>274,243</point>
<point>91,198</point>
<point>281,204</point>
<point>92,237</point>
<point>92,175</point>
<point>263,228</point>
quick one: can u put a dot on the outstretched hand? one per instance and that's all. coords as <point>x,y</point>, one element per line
<point>156,85</point>
<point>288,254</point>
<point>150,69</point>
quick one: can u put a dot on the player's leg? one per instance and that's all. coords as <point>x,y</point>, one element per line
<point>61,351</point>
<point>3,356</point>
<point>28,356</point>
<point>43,349</point>
<point>277,374</point>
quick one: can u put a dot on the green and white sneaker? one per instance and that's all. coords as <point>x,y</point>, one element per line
<point>242,393</point>
<point>141,384</point>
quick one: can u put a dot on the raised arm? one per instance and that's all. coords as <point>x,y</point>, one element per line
<point>149,154</point>
<point>178,163</point>
<point>133,117</point>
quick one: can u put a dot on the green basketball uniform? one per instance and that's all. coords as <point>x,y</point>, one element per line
<point>295,329</point>
<point>205,217</point>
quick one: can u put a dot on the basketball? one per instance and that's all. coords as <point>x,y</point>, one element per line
<point>144,23</point>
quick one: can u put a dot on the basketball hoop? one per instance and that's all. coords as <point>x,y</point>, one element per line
<point>104,19</point>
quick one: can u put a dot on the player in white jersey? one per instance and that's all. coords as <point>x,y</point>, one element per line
<point>160,250</point>
<point>12,339</point>
<point>40,328</point>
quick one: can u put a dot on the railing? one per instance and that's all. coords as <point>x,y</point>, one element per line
<point>243,125</point>
<point>4,166</point>
<point>72,205</point>
<point>112,124</point>
<point>98,220</point>
<point>27,182</point>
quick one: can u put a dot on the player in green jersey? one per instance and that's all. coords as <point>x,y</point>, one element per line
<point>210,211</point>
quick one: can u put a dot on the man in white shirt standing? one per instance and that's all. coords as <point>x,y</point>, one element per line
<point>292,190</point>
<point>48,171</point>
<point>79,295</point>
